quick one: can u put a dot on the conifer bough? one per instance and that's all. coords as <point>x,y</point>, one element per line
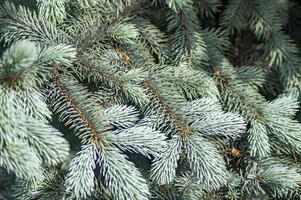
<point>149,100</point>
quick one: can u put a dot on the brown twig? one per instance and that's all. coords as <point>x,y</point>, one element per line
<point>58,84</point>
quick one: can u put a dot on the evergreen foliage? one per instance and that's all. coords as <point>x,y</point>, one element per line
<point>150,100</point>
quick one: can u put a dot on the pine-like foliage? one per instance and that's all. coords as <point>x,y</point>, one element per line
<point>150,100</point>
